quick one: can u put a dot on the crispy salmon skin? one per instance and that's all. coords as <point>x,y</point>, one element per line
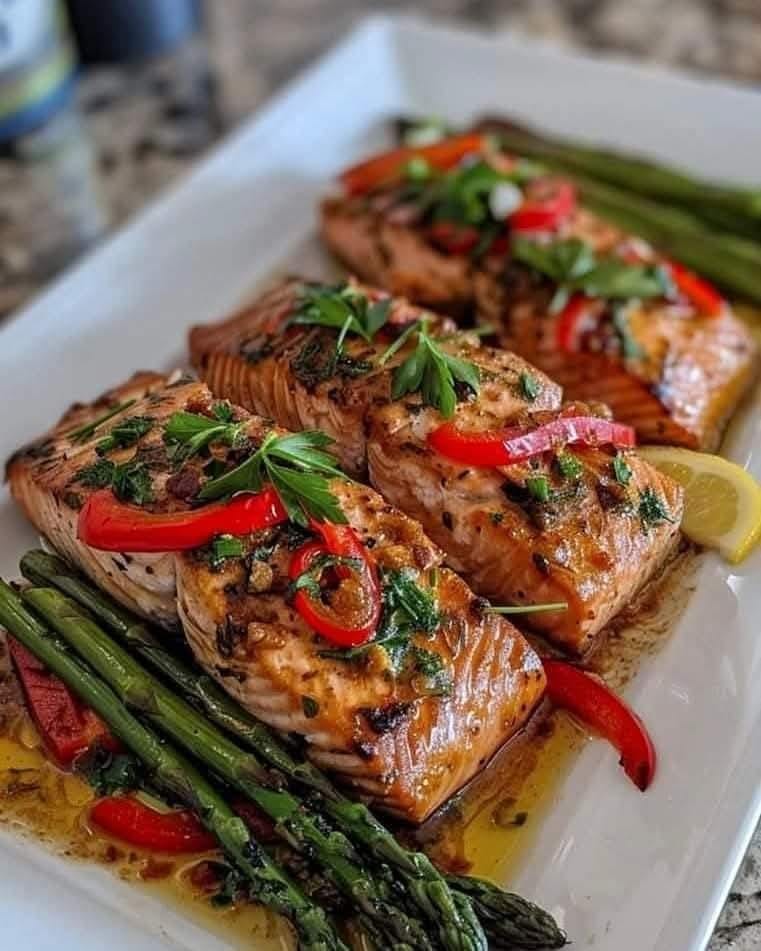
<point>675,365</point>
<point>406,727</point>
<point>588,547</point>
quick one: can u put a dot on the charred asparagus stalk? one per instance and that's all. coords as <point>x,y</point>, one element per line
<point>175,718</point>
<point>415,871</point>
<point>175,776</point>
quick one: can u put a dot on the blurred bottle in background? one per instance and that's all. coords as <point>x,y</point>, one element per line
<point>40,127</point>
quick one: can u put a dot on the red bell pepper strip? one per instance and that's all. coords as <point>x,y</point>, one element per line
<point>110,525</point>
<point>701,294</point>
<point>597,706</point>
<point>66,726</point>
<point>387,167</point>
<point>506,447</point>
<point>453,238</point>
<point>131,821</point>
<point>571,321</point>
<point>548,204</point>
<point>361,583</point>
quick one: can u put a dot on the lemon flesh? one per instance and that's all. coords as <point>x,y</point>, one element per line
<point>722,502</point>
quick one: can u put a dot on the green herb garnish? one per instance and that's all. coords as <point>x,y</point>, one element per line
<point>108,773</point>
<point>343,308</point>
<point>125,433</point>
<point>569,466</point>
<point>130,481</point>
<point>430,370</point>
<point>298,467</point>
<point>630,349</point>
<point>85,432</point>
<point>529,386</point>
<point>408,609</point>
<point>309,580</point>
<point>187,434</point>
<point>573,265</point>
<point>622,472</point>
<point>317,361</point>
<point>310,707</point>
<point>538,487</point>
<point>224,547</point>
<point>652,509</point>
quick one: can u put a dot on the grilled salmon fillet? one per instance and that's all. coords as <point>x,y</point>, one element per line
<point>590,546</point>
<point>260,360</point>
<point>43,480</point>
<point>405,734</point>
<point>671,371</point>
<point>592,551</point>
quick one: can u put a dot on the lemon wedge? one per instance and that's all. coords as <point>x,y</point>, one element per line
<point>722,502</point>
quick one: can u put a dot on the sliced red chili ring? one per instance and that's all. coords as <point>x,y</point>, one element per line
<point>549,202</point>
<point>349,615</point>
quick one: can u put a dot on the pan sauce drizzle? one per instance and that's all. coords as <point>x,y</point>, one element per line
<point>488,829</point>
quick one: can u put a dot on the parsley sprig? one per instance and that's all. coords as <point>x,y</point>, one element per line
<point>125,433</point>
<point>343,308</point>
<point>430,370</point>
<point>87,431</point>
<point>187,434</point>
<point>130,481</point>
<point>298,467</point>
<point>573,265</point>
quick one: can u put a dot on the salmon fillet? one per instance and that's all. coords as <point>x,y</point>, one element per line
<point>256,358</point>
<point>401,735</point>
<point>592,552</point>
<point>683,377</point>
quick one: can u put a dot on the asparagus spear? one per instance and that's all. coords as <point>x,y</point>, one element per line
<point>417,873</point>
<point>738,207</point>
<point>242,770</point>
<point>175,776</point>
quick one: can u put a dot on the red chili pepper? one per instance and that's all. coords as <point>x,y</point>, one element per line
<point>506,447</point>
<point>361,584</point>
<point>111,525</point>
<point>385,168</point>
<point>453,238</point>
<point>66,726</point>
<point>598,707</point>
<point>571,321</point>
<point>133,822</point>
<point>703,295</point>
<point>548,204</point>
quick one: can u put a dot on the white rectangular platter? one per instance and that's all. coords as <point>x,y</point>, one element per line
<point>623,871</point>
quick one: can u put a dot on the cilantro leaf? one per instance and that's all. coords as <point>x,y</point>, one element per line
<point>652,509</point>
<point>621,469</point>
<point>569,465</point>
<point>529,386</point>
<point>222,548</point>
<point>188,434</point>
<point>108,773</point>
<point>343,308</point>
<point>130,481</point>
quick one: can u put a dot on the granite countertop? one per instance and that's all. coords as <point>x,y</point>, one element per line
<point>148,125</point>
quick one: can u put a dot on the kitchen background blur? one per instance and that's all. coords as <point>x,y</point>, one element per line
<point>103,103</point>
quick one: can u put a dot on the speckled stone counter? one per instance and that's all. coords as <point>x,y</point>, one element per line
<point>146,126</point>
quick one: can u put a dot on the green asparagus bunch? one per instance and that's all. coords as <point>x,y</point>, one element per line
<point>415,875</point>
<point>176,777</point>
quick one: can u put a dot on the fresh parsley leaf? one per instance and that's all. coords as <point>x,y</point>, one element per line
<point>298,467</point>
<point>222,548</point>
<point>622,472</point>
<point>108,773</point>
<point>572,264</point>
<point>310,707</point>
<point>432,671</point>
<point>87,431</point>
<point>125,433</point>
<point>309,580</point>
<point>569,466</point>
<point>130,481</point>
<point>538,488</point>
<point>529,386</point>
<point>343,308</point>
<point>317,361</point>
<point>188,434</point>
<point>431,371</point>
<point>652,509</point>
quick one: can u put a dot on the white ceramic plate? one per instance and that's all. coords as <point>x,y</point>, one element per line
<point>625,872</point>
